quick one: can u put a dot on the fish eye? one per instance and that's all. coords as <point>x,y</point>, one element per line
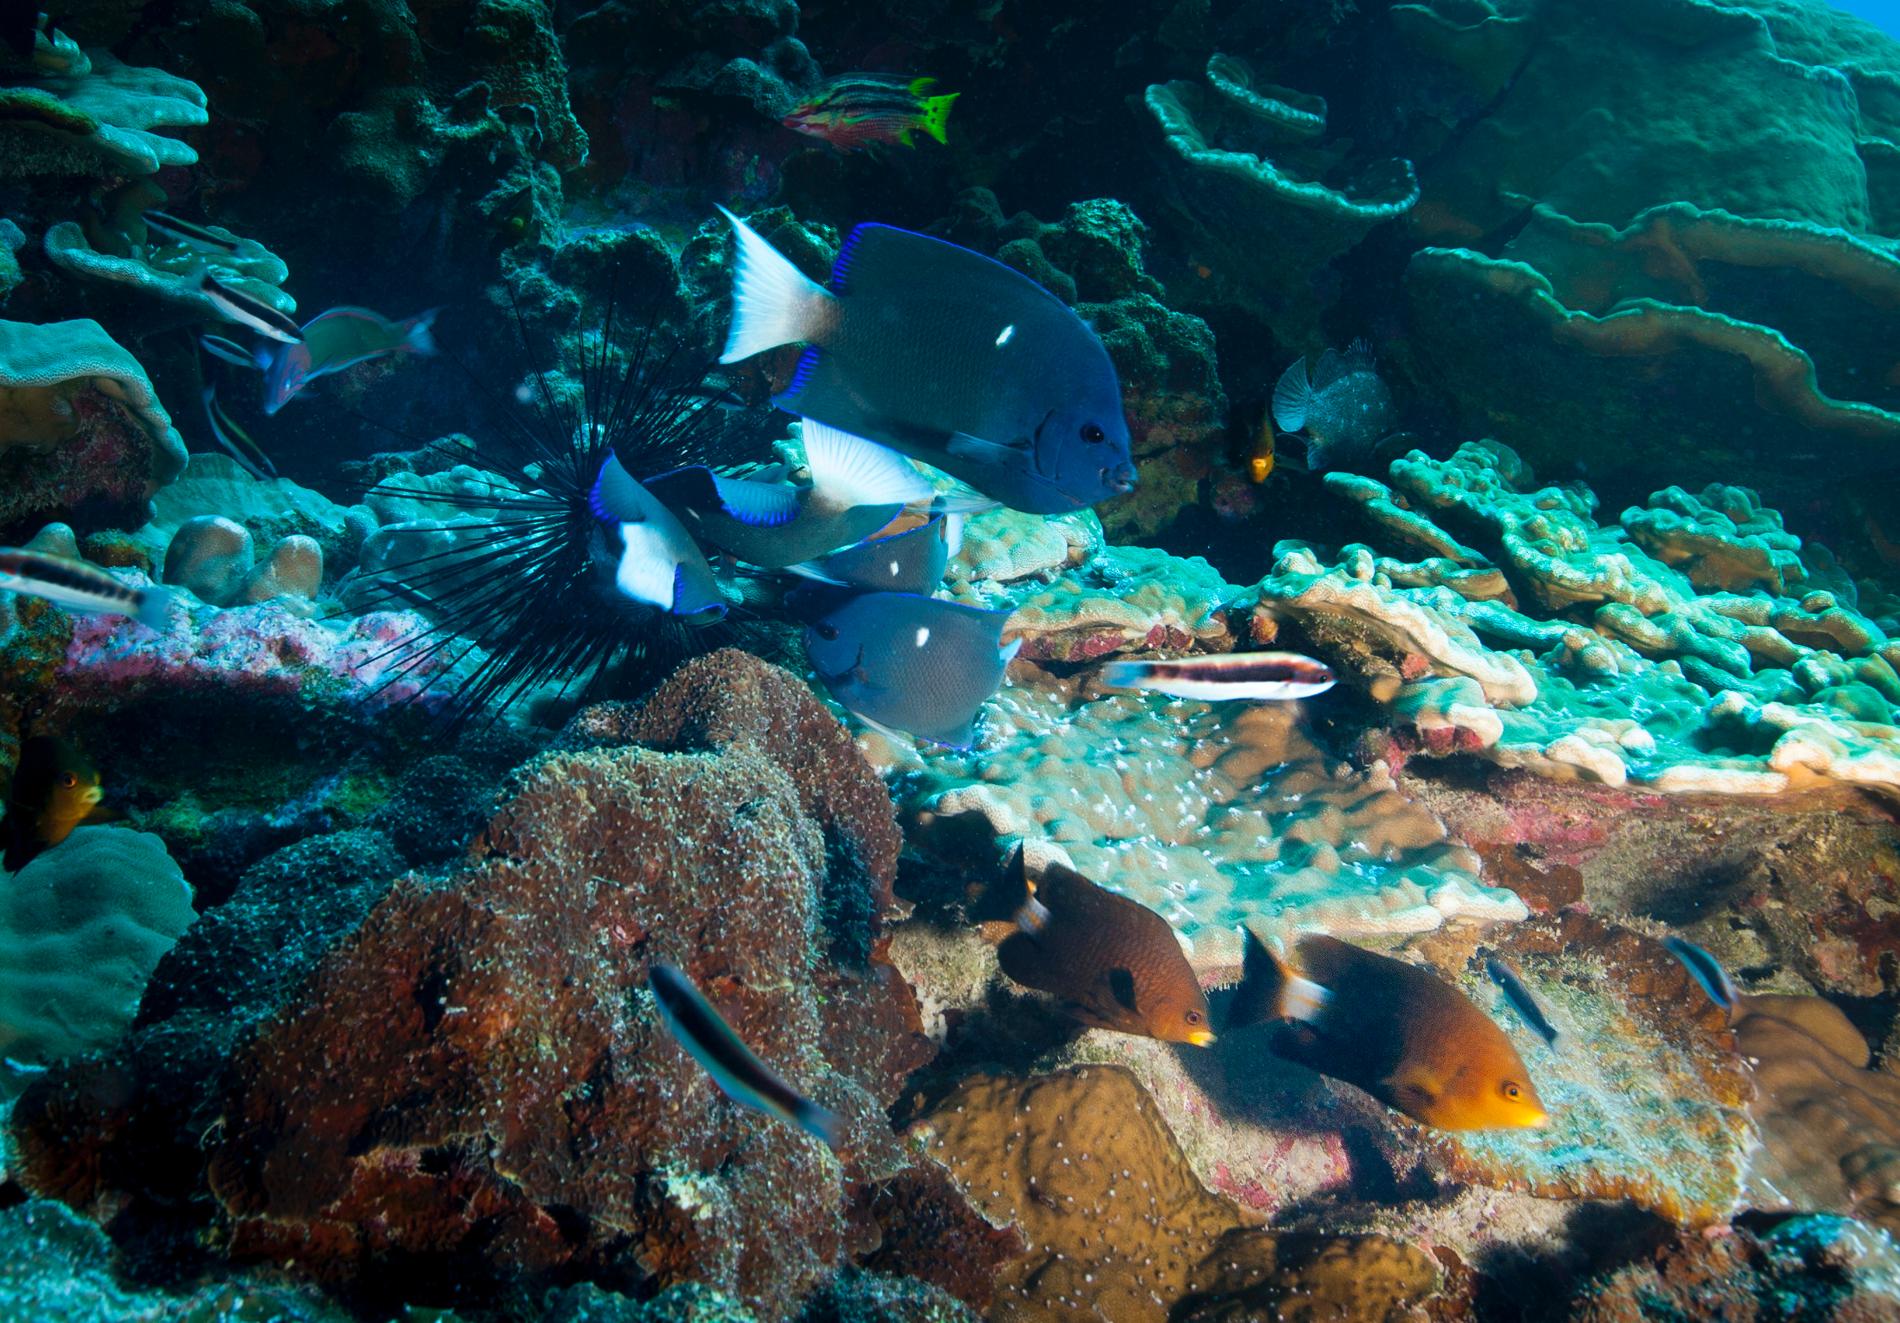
<point>1193,1017</point>
<point>828,633</point>
<point>1511,1091</point>
<point>1093,433</point>
<point>69,780</point>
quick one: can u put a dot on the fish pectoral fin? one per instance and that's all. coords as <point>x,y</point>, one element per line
<point>1121,986</point>
<point>965,446</point>
<point>1412,1092</point>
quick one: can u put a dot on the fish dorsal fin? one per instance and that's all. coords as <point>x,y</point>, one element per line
<point>1292,397</point>
<point>616,498</point>
<point>1121,986</point>
<point>1330,368</point>
<point>756,504</point>
<point>886,253</point>
<point>850,471</point>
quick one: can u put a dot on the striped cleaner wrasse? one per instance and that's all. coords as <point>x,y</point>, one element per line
<point>734,1067</point>
<point>81,588</point>
<point>1273,676</point>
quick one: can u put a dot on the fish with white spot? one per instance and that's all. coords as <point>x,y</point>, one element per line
<point>1343,409</point>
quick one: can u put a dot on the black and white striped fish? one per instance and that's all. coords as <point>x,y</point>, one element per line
<point>1273,676</point>
<point>235,305</point>
<point>734,1067</point>
<point>81,588</point>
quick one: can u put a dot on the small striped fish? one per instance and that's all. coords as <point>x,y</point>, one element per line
<point>863,110</point>
<point>81,588</point>
<point>738,1072</point>
<point>1272,676</point>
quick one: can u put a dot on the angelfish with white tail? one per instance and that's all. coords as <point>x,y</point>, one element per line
<point>81,588</point>
<point>1237,676</point>
<point>658,563</point>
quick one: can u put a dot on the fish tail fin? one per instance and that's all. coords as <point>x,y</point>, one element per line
<point>419,333</point>
<point>860,472</point>
<point>1122,674</point>
<point>953,522</point>
<point>155,608</point>
<point>773,302</point>
<point>1270,990</point>
<point>648,571</point>
<point>1006,652</point>
<point>1292,397</point>
<point>805,569</point>
<point>820,1122</point>
<point>1015,896</point>
<point>937,115</point>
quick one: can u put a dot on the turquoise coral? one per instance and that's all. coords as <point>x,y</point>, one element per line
<point>97,117</point>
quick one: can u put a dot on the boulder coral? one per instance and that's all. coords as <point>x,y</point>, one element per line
<point>517,1111</point>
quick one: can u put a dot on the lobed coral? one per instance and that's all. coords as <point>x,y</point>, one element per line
<point>1209,814</point>
<point>1630,674</point>
<point>92,115</point>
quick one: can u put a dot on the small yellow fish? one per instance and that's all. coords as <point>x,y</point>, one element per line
<point>1260,464</point>
<point>1401,1033</point>
<point>55,789</point>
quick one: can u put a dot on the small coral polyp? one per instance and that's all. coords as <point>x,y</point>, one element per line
<point>1617,653</point>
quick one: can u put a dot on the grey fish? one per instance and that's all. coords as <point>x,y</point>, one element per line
<point>1521,1000</point>
<point>909,562</point>
<point>1706,970</point>
<point>1345,409</point>
<point>659,563</point>
<point>857,487</point>
<point>910,663</point>
<point>947,356</point>
<point>235,305</point>
<point>734,1067</point>
<point>81,588</point>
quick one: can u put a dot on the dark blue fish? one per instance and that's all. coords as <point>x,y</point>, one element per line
<point>909,562</point>
<point>947,356</point>
<point>1521,1000</point>
<point>1344,409</point>
<point>734,1067</point>
<point>1706,970</point>
<point>910,663</point>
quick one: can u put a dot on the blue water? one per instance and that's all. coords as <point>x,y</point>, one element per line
<point>1884,12</point>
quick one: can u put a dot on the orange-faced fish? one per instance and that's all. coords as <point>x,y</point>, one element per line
<point>1401,1033</point>
<point>55,789</point>
<point>857,487</point>
<point>234,305</point>
<point>1521,1000</point>
<point>734,1067</point>
<point>1344,409</point>
<point>1260,462</point>
<point>912,561</point>
<point>338,339</point>
<point>946,356</point>
<point>81,588</point>
<point>859,110</point>
<point>908,663</point>
<point>657,562</point>
<point>1272,676</point>
<point>1114,963</point>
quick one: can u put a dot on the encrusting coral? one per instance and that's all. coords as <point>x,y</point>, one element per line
<point>513,991</point>
<point>92,115</point>
<point>1627,672</point>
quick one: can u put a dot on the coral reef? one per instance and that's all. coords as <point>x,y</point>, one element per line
<point>1250,177</point>
<point>525,966</point>
<point>1631,675</point>
<point>84,924</point>
<point>94,116</point>
<point>84,433</point>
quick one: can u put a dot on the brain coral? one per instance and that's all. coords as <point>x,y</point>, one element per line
<point>500,1100</point>
<point>82,926</point>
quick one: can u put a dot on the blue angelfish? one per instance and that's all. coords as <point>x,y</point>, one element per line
<point>947,356</point>
<point>734,1067</point>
